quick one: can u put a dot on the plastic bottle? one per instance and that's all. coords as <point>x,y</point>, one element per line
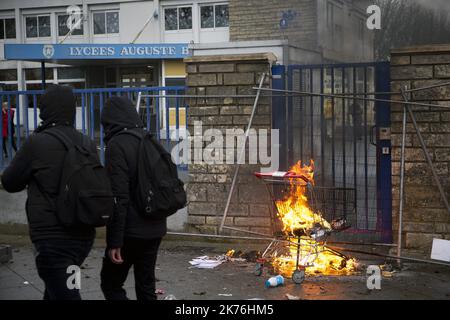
<point>275,281</point>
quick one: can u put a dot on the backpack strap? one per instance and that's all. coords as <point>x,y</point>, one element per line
<point>131,133</point>
<point>61,137</point>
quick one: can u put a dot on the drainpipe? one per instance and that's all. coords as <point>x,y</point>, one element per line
<point>43,74</point>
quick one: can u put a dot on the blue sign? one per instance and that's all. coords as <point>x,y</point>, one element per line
<point>95,51</point>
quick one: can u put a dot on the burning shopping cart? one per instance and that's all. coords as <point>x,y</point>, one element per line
<point>300,215</point>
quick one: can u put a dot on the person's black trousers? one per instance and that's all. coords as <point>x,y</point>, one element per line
<point>53,259</point>
<point>139,253</point>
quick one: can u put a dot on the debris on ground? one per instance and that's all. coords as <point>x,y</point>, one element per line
<point>388,274</point>
<point>159,291</point>
<point>250,256</point>
<point>387,267</point>
<point>225,295</point>
<point>205,262</point>
<point>275,281</point>
<point>201,293</point>
<point>291,297</point>
<point>170,297</point>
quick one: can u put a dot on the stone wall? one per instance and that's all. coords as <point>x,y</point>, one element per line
<point>425,216</point>
<point>209,184</point>
<point>260,20</point>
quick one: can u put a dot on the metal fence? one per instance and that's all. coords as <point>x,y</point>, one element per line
<point>162,109</point>
<point>332,117</point>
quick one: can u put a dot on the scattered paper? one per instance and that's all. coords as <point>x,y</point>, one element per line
<point>225,294</point>
<point>205,262</point>
<point>440,250</point>
<point>387,274</point>
<point>291,297</point>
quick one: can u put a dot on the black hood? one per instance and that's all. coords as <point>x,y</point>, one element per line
<point>57,107</point>
<point>119,113</point>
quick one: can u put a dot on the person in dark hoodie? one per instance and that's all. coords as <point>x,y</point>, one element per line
<point>132,240</point>
<point>38,165</point>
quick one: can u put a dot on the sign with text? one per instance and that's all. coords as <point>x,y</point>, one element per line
<point>51,52</point>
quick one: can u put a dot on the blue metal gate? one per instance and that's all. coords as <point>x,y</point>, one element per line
<point>331,114</point>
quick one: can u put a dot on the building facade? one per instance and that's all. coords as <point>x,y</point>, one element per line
<point>296,31</point>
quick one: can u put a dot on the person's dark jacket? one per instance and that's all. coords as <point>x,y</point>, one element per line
<point>118,115</point>
<point>39,162</point>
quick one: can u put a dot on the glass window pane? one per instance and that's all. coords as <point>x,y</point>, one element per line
<point>31,27</point>
<point>44,26</point>
<point>10,87</point>
<point>2,29</point>
<point>8,75</point>
<point>185,17</point>
<point>222,16</point>
<point>62,25</point>
<point>207,16</point>
<point>35,74</point>
<point>99,23</point>
<point>112,22</point>
<point>171,19</point>
<point>10,28</point>
<point>75,85</point>
<point>63,28</point>
<point>70,73</point>
<point>111,75</point>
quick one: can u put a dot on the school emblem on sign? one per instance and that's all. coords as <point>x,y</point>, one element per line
<point>48,51</point>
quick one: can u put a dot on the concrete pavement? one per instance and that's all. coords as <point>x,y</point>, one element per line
<point>19,279</point>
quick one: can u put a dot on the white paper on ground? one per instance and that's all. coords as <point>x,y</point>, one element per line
<point>205,262</point>
<point>441,250</point>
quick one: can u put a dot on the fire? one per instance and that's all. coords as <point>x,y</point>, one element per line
<point>301,223</point>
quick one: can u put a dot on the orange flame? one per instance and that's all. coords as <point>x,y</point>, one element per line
<point>299,219</point>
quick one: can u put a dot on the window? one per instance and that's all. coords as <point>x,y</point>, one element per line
<point>7,28</point>
<point>207,16</point>
<point>178,18</point>
<point>106,22</point>
<point>35,74</point>
<point>8,75</point>
<point>37,26</point>
<point>214,16</point>
<point>63,28</point>
<point>221,15</point>
<point>70,73</point>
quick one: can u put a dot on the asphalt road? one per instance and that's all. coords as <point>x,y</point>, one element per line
<point>231,280</point>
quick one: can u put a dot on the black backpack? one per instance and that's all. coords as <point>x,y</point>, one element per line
<point>158,192</point>
<point>85,197</point>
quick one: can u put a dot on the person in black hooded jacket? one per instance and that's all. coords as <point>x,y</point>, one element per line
<point>38,165</point>
<point>132,240</point>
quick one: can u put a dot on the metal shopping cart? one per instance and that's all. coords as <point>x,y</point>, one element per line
<point>299,234</point>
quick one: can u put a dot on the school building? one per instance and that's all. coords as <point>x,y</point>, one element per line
<point>129,43</point>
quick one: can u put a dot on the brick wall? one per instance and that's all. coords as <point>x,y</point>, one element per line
<point>209,184</point>
<point>425,216</point>
<point>260,20</point>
